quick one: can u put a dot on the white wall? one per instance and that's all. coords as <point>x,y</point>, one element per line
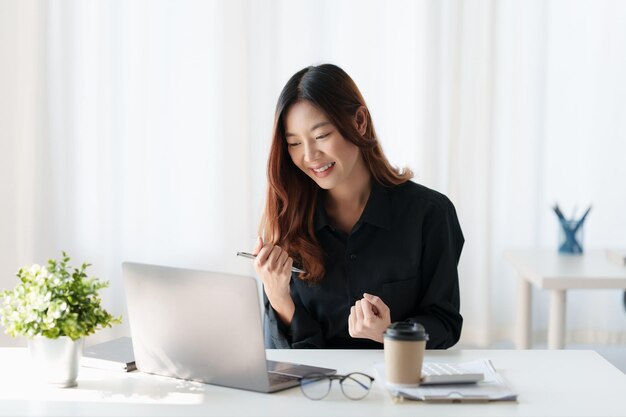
<point>140,130</point>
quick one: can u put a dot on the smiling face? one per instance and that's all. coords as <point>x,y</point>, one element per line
<point>318,149</point>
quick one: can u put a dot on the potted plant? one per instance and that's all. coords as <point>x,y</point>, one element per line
<point>55,307</point>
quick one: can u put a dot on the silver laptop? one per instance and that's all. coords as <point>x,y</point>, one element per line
<point>202,326</point>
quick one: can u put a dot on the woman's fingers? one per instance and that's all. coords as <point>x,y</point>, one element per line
<point>359,312</point>
<point>368,313</point>
<point>282,259</point>
<point>264,253</point>
<point>259,245</point>
<point>271,257</point>
<point>352,322</point>
<point>369,317</point>
<point>286,267</point>
<point>274,260</point>
<point>377,303</point>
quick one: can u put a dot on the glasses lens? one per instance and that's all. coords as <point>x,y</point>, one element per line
<point>315,386</point>
<point>356,386</point>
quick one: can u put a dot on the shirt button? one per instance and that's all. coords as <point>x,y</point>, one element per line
<point>353,257</point>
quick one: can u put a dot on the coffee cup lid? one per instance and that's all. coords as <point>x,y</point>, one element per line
<point>405,330</point>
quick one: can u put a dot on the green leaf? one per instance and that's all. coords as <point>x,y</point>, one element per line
<point>55,300</point>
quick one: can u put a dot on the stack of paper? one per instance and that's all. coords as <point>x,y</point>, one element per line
<point>492,388</point>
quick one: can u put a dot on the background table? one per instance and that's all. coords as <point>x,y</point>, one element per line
<point>548,383</point>
<point>547,269</point>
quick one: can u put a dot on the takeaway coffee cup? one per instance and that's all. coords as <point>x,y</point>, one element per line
<point>405,344</point>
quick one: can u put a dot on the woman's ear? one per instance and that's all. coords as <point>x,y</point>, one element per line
<point>360,120</point>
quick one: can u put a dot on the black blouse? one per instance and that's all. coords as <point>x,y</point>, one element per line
<point>405,248</point>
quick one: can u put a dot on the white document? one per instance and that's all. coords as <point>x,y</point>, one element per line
<point>492,388</point>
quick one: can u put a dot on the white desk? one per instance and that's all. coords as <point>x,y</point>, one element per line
<point>549,383</point>
<point>546,269</point>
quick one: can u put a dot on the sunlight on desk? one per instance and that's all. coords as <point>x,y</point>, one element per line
<point>95,385</point>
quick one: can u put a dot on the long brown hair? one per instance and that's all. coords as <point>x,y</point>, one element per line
<point>288,220</point>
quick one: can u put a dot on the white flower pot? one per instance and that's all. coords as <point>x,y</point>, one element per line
<point>56,361</point>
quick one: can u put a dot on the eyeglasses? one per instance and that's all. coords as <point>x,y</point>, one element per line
<point>355,386</point>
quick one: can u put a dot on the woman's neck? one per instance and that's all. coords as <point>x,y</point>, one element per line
<point>353,193</point>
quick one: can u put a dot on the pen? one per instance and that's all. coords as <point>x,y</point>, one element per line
<point>251,256</point>
<point>582,219</point>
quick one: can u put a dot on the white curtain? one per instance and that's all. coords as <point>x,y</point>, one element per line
<point>140,130</point>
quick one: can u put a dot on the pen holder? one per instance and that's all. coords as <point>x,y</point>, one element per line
<point>571,237</point>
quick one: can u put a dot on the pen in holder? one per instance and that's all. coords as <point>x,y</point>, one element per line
<point>570,232</point>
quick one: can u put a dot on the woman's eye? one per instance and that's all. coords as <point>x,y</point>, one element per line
<point>322,136</point>
<point>291,145</point>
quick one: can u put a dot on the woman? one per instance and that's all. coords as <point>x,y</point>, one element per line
<point>375,247</point>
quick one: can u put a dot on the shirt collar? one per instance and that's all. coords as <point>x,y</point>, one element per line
<point>377,210</point>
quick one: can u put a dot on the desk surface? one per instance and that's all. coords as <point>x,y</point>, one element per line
<point>546,268</point>
<point>549,383</point>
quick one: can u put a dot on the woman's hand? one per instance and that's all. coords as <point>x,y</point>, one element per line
<point>273,266</point>
<point>369,318</point>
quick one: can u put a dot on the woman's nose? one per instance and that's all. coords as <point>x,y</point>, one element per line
<point>311,152</point>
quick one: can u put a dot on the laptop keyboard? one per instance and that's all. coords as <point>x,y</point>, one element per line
<point>275,378</point>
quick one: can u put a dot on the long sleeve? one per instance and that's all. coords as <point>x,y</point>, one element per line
<point>439,308</point>
<point>404,248</point>
<point>303,333</point>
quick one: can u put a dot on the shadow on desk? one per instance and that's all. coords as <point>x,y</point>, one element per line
<point>143,388</point>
